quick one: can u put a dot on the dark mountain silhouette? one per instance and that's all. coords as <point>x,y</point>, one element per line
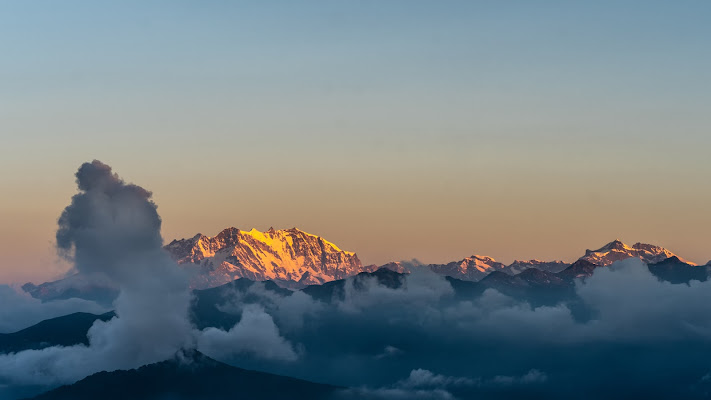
<point>67,330</point>
<point>335,289</point>
<point>190,377</point>
<point>532,285</point>
<point>579,269</point>
<point>206,304</point>
<point>676,271</point>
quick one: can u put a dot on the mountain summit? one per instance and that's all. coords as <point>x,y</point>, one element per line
<point>289,255</point>
<point>617,251</point>
<point>471,268</point>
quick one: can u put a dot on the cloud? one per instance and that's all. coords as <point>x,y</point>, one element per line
<point>424,384</point>
<point>389,351</point>
<point>421,288</point>
<point>531,377</point>
<point>19,310</point>
<point>420,378</point>
<point>633,305</point>
<point>640,336</point>
<point>255,334</point>
<point>289,310</point>
<point>113,229</point>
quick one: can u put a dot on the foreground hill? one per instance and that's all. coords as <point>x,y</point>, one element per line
<point>194,377</point>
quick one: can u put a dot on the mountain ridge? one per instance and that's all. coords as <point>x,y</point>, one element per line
<point>281,255</point>
<point>617,251</point>
<point>295,259</point>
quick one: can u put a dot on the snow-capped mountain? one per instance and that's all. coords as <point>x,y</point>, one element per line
<point>477,267</point>
<point>396,266</point>
<point>471,268</point>
<point>289,256</point>
<point>579,269</point>
<point>617,251</point>
<point>293,258</point>
<point>517,266</point>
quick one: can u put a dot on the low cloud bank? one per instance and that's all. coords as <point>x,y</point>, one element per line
<point>19,310</point>
<point>644,337</point>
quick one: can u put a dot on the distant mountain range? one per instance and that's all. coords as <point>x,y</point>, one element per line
<point>295,259</point>
<point>535,286</point>
<point>284,262</point>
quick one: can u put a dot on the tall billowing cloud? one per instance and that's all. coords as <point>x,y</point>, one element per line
<point>112,228</point>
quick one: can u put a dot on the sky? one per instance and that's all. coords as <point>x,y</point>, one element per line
<point>395,129</point>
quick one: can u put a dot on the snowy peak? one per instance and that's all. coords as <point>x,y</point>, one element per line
<point>519,266</point>
<point>476,267</point>
<point>617,251</point>
<point>615,245</point>
<point>652,249</point>
<point>479,263</point>
<point>289,255</point>
<point>471,268</point>
<point>296,258</point>
<point>395,266</point>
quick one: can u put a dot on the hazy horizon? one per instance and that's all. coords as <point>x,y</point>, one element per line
<point>397,130</point>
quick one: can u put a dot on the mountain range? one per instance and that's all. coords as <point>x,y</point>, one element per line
<point>265,269</point>
<point>295,259</point>
<point>535,286</point>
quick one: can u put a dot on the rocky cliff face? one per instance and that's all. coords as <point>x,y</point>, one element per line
<point>288,256</point>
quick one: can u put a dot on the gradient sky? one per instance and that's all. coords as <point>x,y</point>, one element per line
<point>397,129</point>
